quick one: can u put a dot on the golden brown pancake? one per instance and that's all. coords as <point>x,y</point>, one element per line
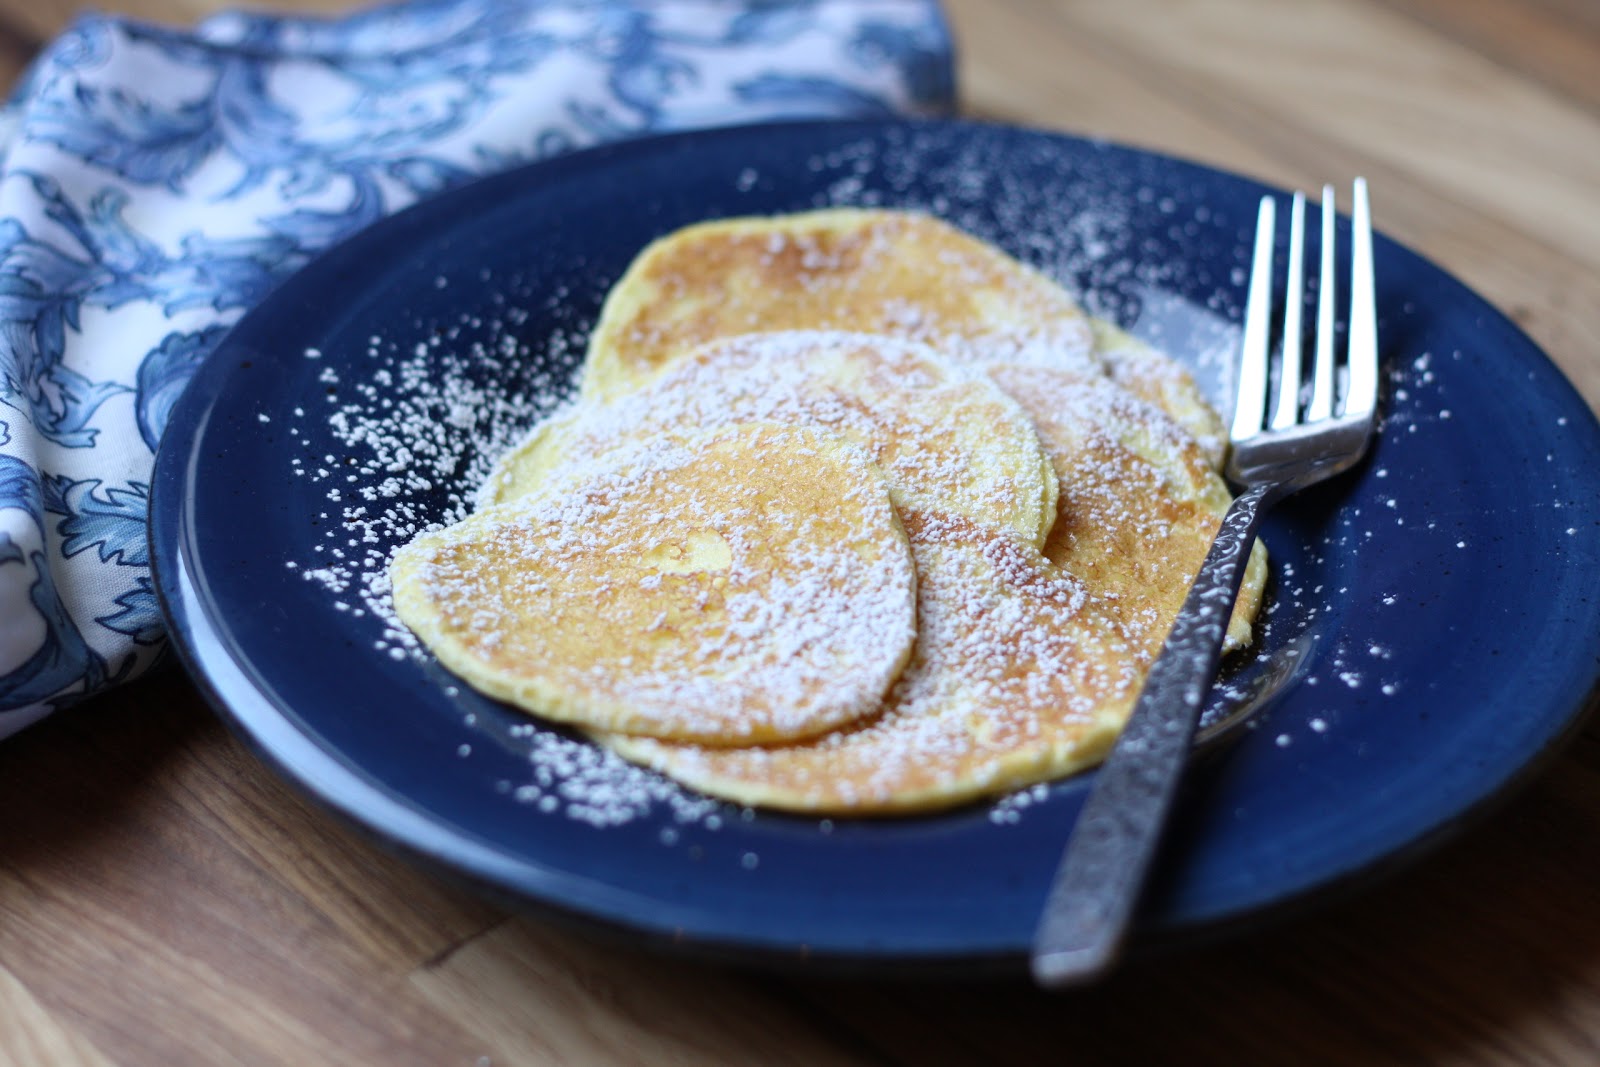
<point>1156,378</point>
<point>1026,665</point>
<point>1032,637</point>
<point>1140,502</point>
<point>949,440</point>
<point>1017,678</point>
<point>894,273</point>
<point>749,584</point>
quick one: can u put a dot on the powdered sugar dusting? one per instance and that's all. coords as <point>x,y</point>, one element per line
<point>439,386</point>
<point>1015,672</point>
<point>416,424</point>
<point>418,420</point>
<point>945,435</point>
<point>751,582</point>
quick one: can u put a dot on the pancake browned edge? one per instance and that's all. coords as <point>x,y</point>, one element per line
<point>749,584</point>
<point>1140,502</point>
<point>897,273</point>
<point>1156,378</point>
<point>1018,677</point>
<point>1027,664</point>
<point>948,438</point>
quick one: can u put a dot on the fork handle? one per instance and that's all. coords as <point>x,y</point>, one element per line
<point>1102,872</point>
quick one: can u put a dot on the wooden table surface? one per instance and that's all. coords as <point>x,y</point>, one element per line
<point>164,899</point>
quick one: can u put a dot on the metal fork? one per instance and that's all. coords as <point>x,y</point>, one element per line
<point>1313,431</point>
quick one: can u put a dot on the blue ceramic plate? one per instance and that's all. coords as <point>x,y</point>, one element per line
<point>1431,635</point>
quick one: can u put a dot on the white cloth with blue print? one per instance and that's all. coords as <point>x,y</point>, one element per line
<point>155,184</point>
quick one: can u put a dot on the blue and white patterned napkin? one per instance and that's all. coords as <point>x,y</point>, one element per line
<point>155,184</point>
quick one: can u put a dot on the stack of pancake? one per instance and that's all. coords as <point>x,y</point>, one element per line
<point>853,514</point>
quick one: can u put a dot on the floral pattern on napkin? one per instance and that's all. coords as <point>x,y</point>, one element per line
<point>155,184</point>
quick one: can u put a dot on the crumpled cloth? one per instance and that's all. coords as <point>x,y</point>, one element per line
<point>156,183</point>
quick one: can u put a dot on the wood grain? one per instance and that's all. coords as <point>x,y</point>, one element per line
<point>1551,45</point>
<point>165,899</point>
<point>1101,77</point>
<point>595,1003</point>
<point>33,1036</point>
<point>1371,85</point>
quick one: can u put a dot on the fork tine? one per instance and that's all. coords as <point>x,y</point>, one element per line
<point>1322,376</point>
<point>1250,400</point>
<point>1287,412</point>
<point>1361,396</point>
